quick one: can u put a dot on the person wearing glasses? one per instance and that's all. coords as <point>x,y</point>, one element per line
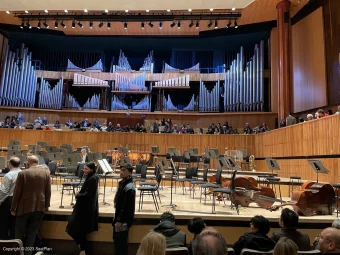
<point>84,218</point>
<point>329,241</point>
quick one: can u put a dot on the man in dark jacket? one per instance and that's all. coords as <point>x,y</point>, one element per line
<point>175,238</point>
<point>288,222</point>
<point>125,210</point>
<point>257,239</point>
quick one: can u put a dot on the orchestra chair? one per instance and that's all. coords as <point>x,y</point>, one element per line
<point>115,177</point>
<point>293,180</point>
<point>142,177</point>
<point>190,175</point>
<point>199,182</point>
<point>231,251</point>
<point>336,186</point>
<point>53,168</point>
<point>14,243</point>
<point>42,144</point>
<point>75,176</point>
<point>275,181</point>
<point>154,176</point>
<point>214,185</point>
<point>262,179</point>
<point>255,252</point>
<point>150,190</point>
<point>310,252</point>
<point>158,172</point>
<point>138,171</point>
<point>177,251</point>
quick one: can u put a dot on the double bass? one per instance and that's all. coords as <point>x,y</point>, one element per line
<point>313,199</point>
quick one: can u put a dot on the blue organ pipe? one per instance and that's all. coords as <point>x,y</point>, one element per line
<point>5,70</point>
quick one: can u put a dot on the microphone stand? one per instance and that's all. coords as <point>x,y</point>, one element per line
<point>173,206</point>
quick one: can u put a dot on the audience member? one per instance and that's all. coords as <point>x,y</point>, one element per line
<point>329,112</point>
<point>69,123</point>
<point>282,123</point>
<point>301,120</point>
<point>118,128</point>
<point>320,113</point>
<point>110,127</point>
<point>20,118</point>
<point>6,194</point>
<point>288,222</point>
<point>338,111</point>
<point>309,117</point>
<point>335,224</point>
<point>247,129</point>
<point>152,244</point>
<point>96,124</point>
<point>84,218</point>
<point>124,204</point>
<point>31,198</point>
<point>264,128</point>
<point>85,123</point>
<point>257,239</point>
<point>195,226</point>
<point>84,156</point>
<point>44,121</point>
<point>329,241</point>
<point>209,243</point>
<point>285,246</point>
<point>290,120</point>
<point>57,124</point>
<point>174,237</point>
<point>103,127</point>
<point>38,121</point>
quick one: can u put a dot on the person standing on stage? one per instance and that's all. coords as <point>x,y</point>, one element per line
<point>124,203</point>
<point>6,194</point>
<point>84,218</point>
<point>84,156</point>
<point>31,199</point>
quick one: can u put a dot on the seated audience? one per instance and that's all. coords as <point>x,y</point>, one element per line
<point>288,222</point>
<point>118,128</point>
<point>175,238</point>
<point>285,246</point>
<point>110,127</point>
<point>200,131</point>
<point>57,124</point>
<point>329,112</point>
<point>96,124</point>
<point>38,121</point>
<point>247,129</point>
<point>264,128</point>
<point>69,123</point>
<point>103,127</point>
<point>301,120</point>
<point>282,123</point>
<point>257,239</point>
<point>320,113</point>
<point>309,117</point>
<point>290,120</point>
<point>335,224</point>
<point>338,111</point>
<point>195,226</point>
<point>85,123</point>
<point>329,241</point>
<point>209,242</point>
<point>84,156</point>
<point>44,121</point>
<point>152,244</point>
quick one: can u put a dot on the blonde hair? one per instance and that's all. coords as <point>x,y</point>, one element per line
<point>152,244</point>
<point>285,246</point>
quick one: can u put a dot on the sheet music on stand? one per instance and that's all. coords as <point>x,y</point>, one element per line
<point>228,163</point>
<point>318,167</point>
<point>104,165</point>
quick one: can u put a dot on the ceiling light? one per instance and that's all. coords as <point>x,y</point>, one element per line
<point>101,24</point>
<point>125,25</point>
<point>150,24</point>
<point>46,25</point>
<point>22,25</point>
<point>85,10</point>
<point>229,24</point>
<point>216,24</point>
<point>106,10</point>
<point>126,10</point>
<point>173,24</point>
<point>168,10</point>
<point>8,12</point>
<point>66,11</point>
<point>26,11</point>
<point>233,9</point>
<point>210,24</point>
<point>197,25</point>
<point>46,11</point>
<point>191,24</point>
<point>62,24</point>
<point>147,10</point>
<point>73,24</point>
<point>80,25</point>
<point>28,24</point>
<point>189,10</point>
<point>179,25</point>
<point>39,25</point>
<point>56,24</point>
<point>91,24</point>
<point>211,9</point>
<point>235,24</point>
<point>108,25</point>
<point>160,25</point>
<point>142,25</point>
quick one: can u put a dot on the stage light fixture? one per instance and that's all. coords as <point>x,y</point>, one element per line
<point>66,11</point>
<point>56,24</point>
<point>22,25</point>
<point>8,12</point>
<point>91,24</point>
<point>189,10</point>
<point>233,9</point>
<point>210,24</point>
<point>147,10</point>
<point>73,24</point>
<point>191,24</point>
<point>80,25</point>
<point>168,10</point>
<point>46,11</point>
<point>28,25</point>
<point>106,11</point>
<point>126,10</point>
<point>46,25</point>
<point>108,25</point>
<point>211,9</point>
<point>101,24</point>
<point>179,25</point>
<point>142,25</point>
<point>173,24</point>
<point>39,25</point>
<point>235,24</point>
<point>229,24</point>
<point>26,11</point>
<point>150,24</point>
<point>62,24</point>
<point>85,10</point>
<point>125,25</point>
<point>216,24</point>
<point>160,25</point>
<point>197,25</point>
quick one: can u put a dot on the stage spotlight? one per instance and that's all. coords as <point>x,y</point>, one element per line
<point>197,25</point>
<point>229,24</point>
<point>168,10</point>
<point>216,24</point>
<point>108,25</point>
<point>147,10</point>
<point>66,11</point>
<point>73,24</point>
<point>210,24</point>
<point>189,10</point>
<point>150,24</point>
<point>211,9</point>
<point>8,12</point>
<point>56,24</point>
<point>126,10</point>
<point>39,25</point>
<point>233,9</point>
<point>160,25</point>
<point>106,11</point>
<point>173,24</point>
<point>142,25</point>
<point>100,24</point>
<point>22,25</point>
<point>28,25</point>
<point>191,24</point>
<point>85,10</point>
<point>235,24</point>
<point>91,24</point>
<point>179,25</point>
<point>46,25</point>
<point>80,25</point>
<point>62,24</point>
<point>26,11</point>
<point>46,11</point>
<point>125,25</point>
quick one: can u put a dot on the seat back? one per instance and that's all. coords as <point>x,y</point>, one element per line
<point>205,174</point>
<point>188,173</point>
<point>3,163</point>
<point>14,142</point>
<point>98,155</point>
<point>219,176</point>
<point>51,155</point>
<point>255,252</point>
<point>42,144</point>
<point>51,148</point>
<point>80,169</point>
<point>91,156</point>
<point>143,171</point>
<point>78,157</point>
<point>310,252</point>
<point>13,152</point>
<point>10,246</point>
<point>42,153</point>
<point>73,160</point>
<point>65,159</point>
<point>231,251</point>
<point>139,168</point>
<point>58,155</point>
<point>53,167</point>
<point>194,171</point>
<point>177,251</point>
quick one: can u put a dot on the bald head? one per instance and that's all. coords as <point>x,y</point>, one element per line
<point>329,241</point>
<point>32,160</point>
<point>14,162</point>
<point>209,243</point>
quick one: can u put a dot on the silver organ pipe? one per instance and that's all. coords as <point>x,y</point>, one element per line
<point>143,105</point>
<point>191,105</point>
<point>4,74</point>
<point>209,101</point>
<point>124,83</point>
<point>257,78</point>
<point>50,98</point>
<point>261,75</point>
<point>241,68</point>
<point>93,102</point>
<point>71,102</point>
<point>117,104</point>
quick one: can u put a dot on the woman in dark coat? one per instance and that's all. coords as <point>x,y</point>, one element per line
<point>84,218</point>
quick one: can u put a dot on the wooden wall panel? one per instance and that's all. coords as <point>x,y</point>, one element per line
<point>309,63</point>
<point>274,63</point>
<point>197,120</point>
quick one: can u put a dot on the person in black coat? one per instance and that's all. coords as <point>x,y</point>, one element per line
<point>124,203</point>
<point>84,218</point>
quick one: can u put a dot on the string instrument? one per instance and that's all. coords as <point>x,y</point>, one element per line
<point>313,199</point>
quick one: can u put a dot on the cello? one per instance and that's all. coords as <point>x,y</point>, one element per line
<point>313,199</point>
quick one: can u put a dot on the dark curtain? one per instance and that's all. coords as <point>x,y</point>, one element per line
<point>183,59</point>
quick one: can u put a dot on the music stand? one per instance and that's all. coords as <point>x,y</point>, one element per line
<point>174,172</point>
<point>232,163</point>
<point>155,149</point>
<point>106,170</point>
<point>124,160</point>
<point>318,167</point>
<point>212,154</point>
<point>171,149</point>
<point>272,164</point>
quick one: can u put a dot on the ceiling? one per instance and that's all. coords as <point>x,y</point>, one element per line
<point>257,11</point>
